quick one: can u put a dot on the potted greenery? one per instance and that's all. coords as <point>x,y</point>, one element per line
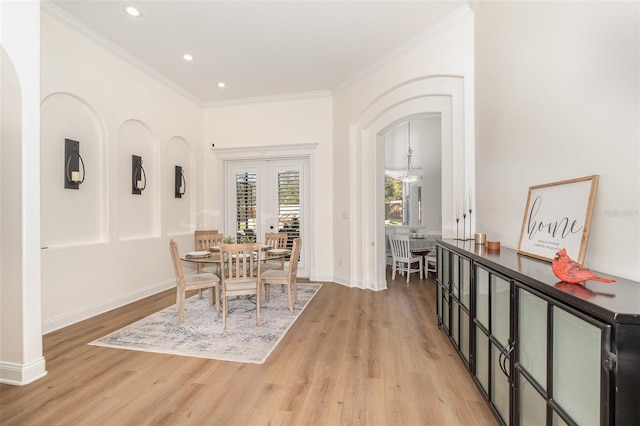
<point>229,240</point>
<point>414,233</point>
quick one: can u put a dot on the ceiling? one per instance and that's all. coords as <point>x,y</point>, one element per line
<point>257,48</point>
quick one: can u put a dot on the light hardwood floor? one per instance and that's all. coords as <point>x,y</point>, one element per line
<point>354,357</point>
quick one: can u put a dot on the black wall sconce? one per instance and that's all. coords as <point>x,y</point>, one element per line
<point>139,177</point>
<point>180,182</point>
<point>73,176</point>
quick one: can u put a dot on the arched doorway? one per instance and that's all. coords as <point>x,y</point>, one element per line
<point>443,95</point>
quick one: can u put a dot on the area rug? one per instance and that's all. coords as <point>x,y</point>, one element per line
<point>201,334</point>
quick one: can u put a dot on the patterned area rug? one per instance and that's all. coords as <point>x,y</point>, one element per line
<point>201,334</point>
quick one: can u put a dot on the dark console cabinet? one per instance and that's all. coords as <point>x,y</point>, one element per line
<point>541,352</point>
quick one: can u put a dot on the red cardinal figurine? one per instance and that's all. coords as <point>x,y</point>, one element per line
<point>571,271</point>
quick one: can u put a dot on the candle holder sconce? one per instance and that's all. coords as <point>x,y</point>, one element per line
<point>180,182</point>
<point>73,176</point>
<point>139,178</point>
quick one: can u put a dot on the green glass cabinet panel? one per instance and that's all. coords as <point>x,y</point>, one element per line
<point>455,275</point>
<point>532,336</point>
<point>482,359</point>
<point>499,386</point>
<point>482,296</point>
<point>500,309</point>
<point>576,367</point>
<point>465,325</point>
<point>532,406</point>
<point>465,282</point>
<point>455,315</point>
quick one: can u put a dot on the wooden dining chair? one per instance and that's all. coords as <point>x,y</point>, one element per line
<point>286,278</point>
<point>198,282</point>
<point>403,259</point>
<point>276,240</point>
<point>204,240</point>
<point>240,275</point>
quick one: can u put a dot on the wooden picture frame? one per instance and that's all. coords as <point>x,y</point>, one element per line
<point>557,216</point>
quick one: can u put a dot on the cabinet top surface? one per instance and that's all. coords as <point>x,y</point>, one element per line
<point>618,302</point>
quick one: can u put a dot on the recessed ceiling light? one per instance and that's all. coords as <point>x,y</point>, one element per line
<point>221,85</point>
<point>187,57</point>
<point>133,11</point>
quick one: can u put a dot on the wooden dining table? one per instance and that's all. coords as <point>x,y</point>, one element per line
<point>213,256</point>
<point>422,244</point>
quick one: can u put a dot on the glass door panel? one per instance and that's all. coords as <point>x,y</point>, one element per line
<point>499,385</point>
<point>482,359</point>
<point>443,258</point>
<point>445,310</point>
<point>270,195</point>
<point>482,296</point>
<point>439,301</point>
<point>445,268</point>
<point>465,325</point>
<point>500,309</point>
<point>465,282</point>
<point>455,315</point>
<point>532,407</point>
<point>455,275</point>
<point>532,336</point>
<point>576,367</point>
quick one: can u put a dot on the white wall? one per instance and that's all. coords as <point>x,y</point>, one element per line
<point>557,97</point>
<point>435,76</point>
<point>106,246</point>
<point>21,359</point>
<point>278,122</point>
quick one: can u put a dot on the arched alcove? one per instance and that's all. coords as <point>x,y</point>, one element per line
<point>440,94</point>
<point>180,211</point>
<point>138,214</point>
<point>72,216</point>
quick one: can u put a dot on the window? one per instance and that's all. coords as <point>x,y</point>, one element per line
<point>246,203</point>
<point>402,202</point>
<point>289,203</point>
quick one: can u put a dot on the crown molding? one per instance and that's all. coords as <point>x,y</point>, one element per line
<point>62,16</point>
<point>272,98</point>
<point>434,30</point>
<point>272,151</point>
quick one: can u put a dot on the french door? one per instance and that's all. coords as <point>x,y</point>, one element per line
<point>268,196</point>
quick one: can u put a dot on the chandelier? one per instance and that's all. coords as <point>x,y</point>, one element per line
<point>410,175</point>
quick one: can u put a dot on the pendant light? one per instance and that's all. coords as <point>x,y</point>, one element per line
<point>410,175</point>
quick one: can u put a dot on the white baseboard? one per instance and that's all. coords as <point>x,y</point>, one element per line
<point>70,318</point>
<point>365,285</point>
<point>22,374</point>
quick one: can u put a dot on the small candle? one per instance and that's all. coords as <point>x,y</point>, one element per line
<point>75,176</point>
<point>181,190</point>
<point>139,184</point>
<point>470,202</point>
<point>458,209</point>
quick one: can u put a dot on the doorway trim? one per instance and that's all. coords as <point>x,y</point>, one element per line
<point>275,152</point>
<point>439,94</point>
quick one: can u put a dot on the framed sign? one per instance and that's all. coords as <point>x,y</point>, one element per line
<point>557,216</point>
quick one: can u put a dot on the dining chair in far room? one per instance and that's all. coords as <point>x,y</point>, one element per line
<point>199,282</point>
<point>430,260</point>
<point>403,259</point>
<point>285,278</point>
<point>204,240</point>
<point>276,240</point>
<point>240,275</point>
